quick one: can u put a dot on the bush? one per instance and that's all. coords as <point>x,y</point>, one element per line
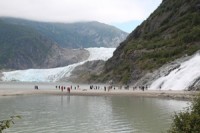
<point>188,121</point>
<point>4,124</point>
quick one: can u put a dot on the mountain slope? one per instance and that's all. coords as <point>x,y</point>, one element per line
<point>75,35</point>
<point>55,74</point>
<point>28,44</point>
<point>172,31</point>
<point>23,47</point>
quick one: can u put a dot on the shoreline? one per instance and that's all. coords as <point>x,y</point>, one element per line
<point>178,95</point>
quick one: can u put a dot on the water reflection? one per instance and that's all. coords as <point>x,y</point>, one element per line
<point>145,114</point>
<point>68,99</point>
<point>61,100</point>
<point>83,114</point>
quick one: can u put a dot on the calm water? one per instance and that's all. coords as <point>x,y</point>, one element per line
<point>89,114</point>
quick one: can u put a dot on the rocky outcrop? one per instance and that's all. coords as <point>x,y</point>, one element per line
<point>84,73</point>
<point>62,57</point>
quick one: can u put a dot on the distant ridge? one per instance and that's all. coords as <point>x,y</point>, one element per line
<point>74,35</point>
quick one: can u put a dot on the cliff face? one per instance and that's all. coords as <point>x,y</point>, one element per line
<point>172,31</point>
<point>59,57</point>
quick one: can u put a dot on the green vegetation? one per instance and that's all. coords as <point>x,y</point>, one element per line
<point>21,45</point>
<point>73,35</point>
<point>188,121</point>
<point>27,44</point>
<point>4,124</point>
<point>162,46</point>
<point>171,32</point>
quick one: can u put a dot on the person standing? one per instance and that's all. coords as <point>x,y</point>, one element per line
<point>68,89</point>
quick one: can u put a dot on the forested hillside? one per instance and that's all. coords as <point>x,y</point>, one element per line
<point>75,35</point>
<point>171,31</point>
<point>22,47</point>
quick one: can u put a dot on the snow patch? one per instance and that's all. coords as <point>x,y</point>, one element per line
<point>55,74</point>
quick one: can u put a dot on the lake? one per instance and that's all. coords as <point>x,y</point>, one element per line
<point>94,114</point>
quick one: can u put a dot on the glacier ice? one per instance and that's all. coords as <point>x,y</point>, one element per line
<point>54,74</point>
<point>181,78</point>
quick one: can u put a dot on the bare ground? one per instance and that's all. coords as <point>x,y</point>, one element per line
<point>182,95</point>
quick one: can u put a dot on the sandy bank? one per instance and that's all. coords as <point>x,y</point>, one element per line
<point>183,95</point>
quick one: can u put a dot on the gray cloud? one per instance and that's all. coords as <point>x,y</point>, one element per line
<point>107,11</point>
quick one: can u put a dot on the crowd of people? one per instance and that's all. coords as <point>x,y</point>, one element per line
<point>105,88</point>
<point>62,88</point>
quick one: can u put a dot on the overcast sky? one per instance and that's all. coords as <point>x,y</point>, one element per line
<point>125,14</point>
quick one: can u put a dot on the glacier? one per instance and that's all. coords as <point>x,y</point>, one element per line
<point>55,74</point>
<point>180,78</point>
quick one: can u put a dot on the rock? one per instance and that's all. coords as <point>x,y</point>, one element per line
<point>62,57</point>
<point>83,73</point>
